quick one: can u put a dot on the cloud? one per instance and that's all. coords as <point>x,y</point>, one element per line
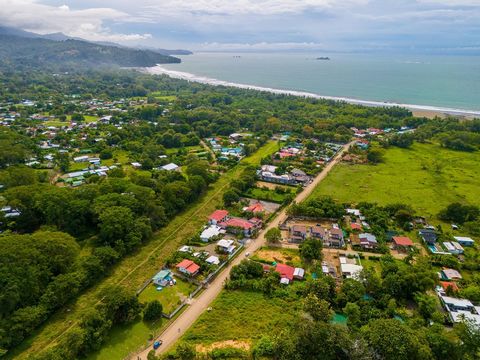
<point>89,23</point>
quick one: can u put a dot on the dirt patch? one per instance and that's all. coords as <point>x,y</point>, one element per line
<point>272,186</point>
<point>237,344</point>
<point>277,255</point>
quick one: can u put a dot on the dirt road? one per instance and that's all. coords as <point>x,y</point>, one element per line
<point>198,305</point>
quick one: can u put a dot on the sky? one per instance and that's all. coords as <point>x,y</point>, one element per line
<point>420,26</point>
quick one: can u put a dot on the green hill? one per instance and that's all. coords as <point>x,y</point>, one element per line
<point>39,52</point>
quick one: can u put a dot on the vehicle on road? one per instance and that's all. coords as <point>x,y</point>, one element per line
<point>157,344</point>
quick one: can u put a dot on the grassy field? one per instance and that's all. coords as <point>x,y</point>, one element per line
<point>267,195</point>
<point>132,271</point>
<point>242,315</point>
<point>170,297</point>
<point>427,177</point>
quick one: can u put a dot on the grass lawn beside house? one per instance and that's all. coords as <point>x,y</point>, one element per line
<point>427,177</point>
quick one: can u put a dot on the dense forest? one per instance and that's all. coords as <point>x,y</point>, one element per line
<point>37,52</point>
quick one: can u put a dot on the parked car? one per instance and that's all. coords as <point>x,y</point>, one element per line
<point>157,344</point>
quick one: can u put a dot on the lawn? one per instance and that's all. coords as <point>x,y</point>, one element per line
<point>132,271</point>
<point>263,194</point>
<point>426,177</point>
<point>242,315</point>
<point>170,297</point>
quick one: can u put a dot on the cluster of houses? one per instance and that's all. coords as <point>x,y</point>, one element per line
<point>456,247</point>
<point>458,309</point>
<point>371,132</point>
<point>230,148</point>
<point>333,237</point>
<point>295,176</point>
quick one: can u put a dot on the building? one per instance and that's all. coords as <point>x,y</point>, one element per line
<point>459,309</point>
<point>211,232</point>
<point>298,233</point>
<point>318,232</point>
<point>402,243</point>
<point>299,274</point>
<point>170,167</point>
<point>464,241</point>
<point>255,208</point>
<point>163,278</point>
<point>335,238</point>
<point>428,236</point>
<point>188,267</point>
<point>218,216</point>
<point>286,273</point>
<point>213,260</point>
<point>368,241</point>
<point>226,246</point>
<point>450,274</point>
<point>453,247</point>
<point>349,270</point>
<point>237,225</point>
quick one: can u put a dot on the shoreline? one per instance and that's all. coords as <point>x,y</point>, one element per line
<point>418,110</point>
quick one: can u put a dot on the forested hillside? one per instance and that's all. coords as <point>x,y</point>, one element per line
<point>36,52</point>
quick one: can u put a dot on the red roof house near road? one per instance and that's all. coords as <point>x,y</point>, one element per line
<point>356,226</point>
<point>402,241</point>
<point>218,216</point>
<point>237,222</point>
<point>188,267</point>
<point>257,207</point>
<point>285,271</point>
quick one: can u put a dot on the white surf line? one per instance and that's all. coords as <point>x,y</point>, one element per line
<point>160,70</point>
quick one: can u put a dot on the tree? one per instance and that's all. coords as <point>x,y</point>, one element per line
<point>460,213</point>
<point>311,249</point>
<point>353,313</point>
<point>427,305</point>
<point>392,340</point>
<point>318,309</point>
<point>469,332</point>
<point>230,197</point>
<point>273,235</point>
<point>375,156</point>
<point>153,311</point>
<point>115,223</point>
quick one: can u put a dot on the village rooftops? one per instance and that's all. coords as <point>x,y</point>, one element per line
<point>256,207</point>
<point>450,274</point>
<point>238,223</point>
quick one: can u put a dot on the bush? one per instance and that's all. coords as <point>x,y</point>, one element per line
<point>153,311</point>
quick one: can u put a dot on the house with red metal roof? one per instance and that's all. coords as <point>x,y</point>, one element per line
<point>188,267</point>
<point>218,216</point>
<point>236,225</point>
<point>402,242</point>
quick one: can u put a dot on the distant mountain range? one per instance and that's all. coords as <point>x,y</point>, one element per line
<point>28,48</point>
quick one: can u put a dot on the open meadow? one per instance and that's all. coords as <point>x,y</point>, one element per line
<point>427,177</point>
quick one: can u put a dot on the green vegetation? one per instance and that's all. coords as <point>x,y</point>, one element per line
<point>427,177</point>
<point>170,296</point>
<point>241,315</point>
<point>37,52</point>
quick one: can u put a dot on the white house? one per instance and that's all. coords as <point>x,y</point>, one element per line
<point>210,232</point>
<point>464,241</point>
<point>213,260</point>
<point>226,246</point>
<point>170,167</point>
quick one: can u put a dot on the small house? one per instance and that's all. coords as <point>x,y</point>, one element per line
<point>368,241</point>
<point>162,278</point>
<point>318,232</point>
<point>218,216</point>
<point>402,243</point>
<point>286,273</point>
<point>170,167</point>
<point>226,246</point>
<point>428,235</point>
<point>464,241</point>
<point>212,260</point>
<point>450,274</point>
<point>299,274</point>
<point>298,233</point>
<point>188,267</point>
<point>211,232</point>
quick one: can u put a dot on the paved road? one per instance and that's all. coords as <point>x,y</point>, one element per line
<point>198,305</point>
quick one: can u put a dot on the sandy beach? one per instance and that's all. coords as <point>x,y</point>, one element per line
<point>417,110</point>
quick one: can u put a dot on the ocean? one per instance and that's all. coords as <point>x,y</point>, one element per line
<point>431,83</point>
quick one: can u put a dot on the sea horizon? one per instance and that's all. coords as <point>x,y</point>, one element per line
<point>394,80</point>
